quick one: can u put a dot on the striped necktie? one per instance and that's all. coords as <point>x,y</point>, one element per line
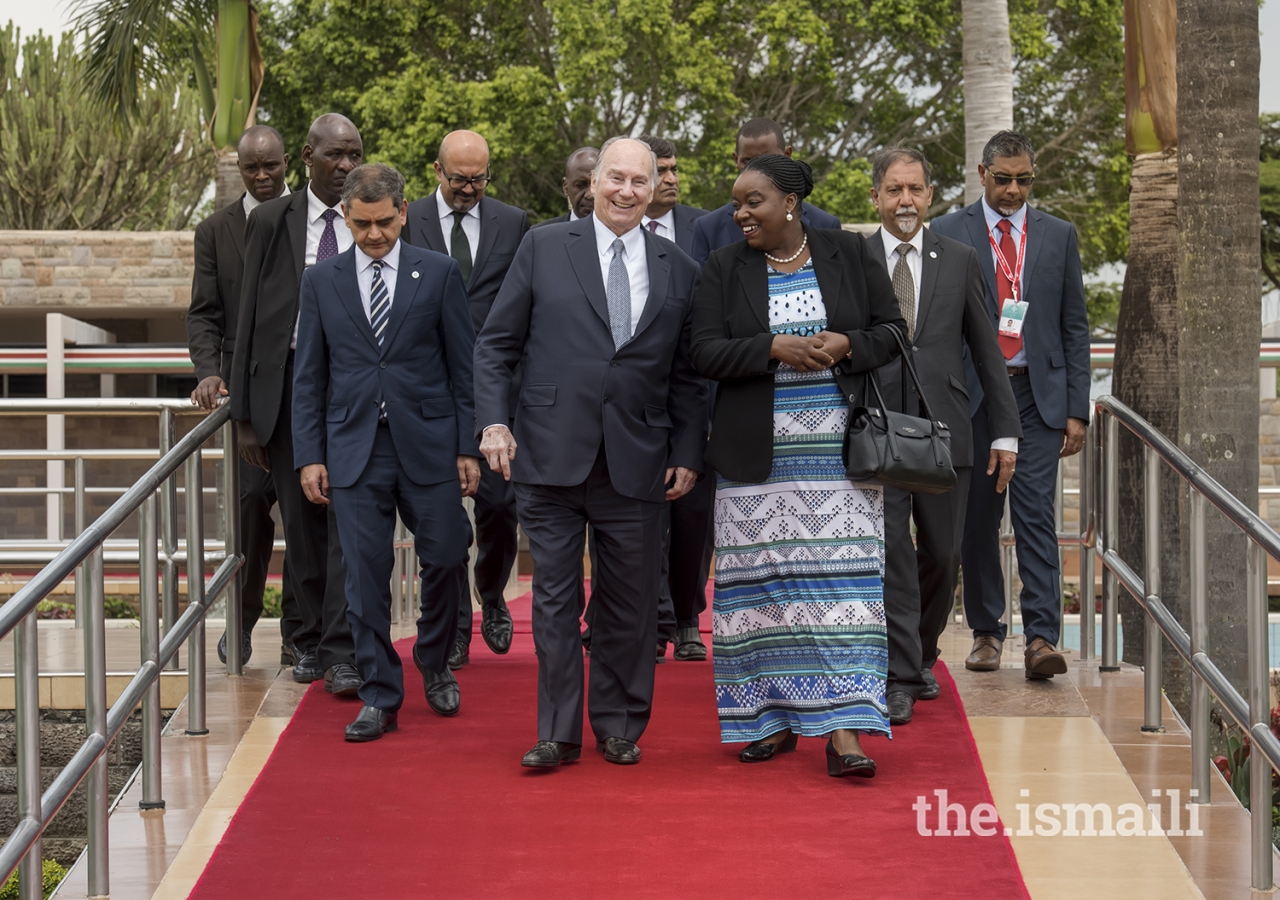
<point>379,315</point>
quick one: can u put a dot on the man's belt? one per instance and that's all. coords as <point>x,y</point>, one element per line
<point>1018,370</point>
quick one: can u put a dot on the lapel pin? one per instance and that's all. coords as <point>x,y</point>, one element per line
<point>932,254</point>
<point>415,274</point>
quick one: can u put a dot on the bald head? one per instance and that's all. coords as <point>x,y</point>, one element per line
<point>262,162</point>
<point>333,149</point>
<point>462,168</point>
<point>577,180</point>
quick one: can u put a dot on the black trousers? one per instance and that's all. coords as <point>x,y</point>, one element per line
<point>920,581</point>
<point>497,545</point>
<point>314,550</point>
<point>688,545</point>
<point>366,514</point>
<point>257,535</point>
<point>624,628</point>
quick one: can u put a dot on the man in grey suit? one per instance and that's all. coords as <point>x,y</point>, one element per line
<point>612,422</point>
<point>938,284</point>
<point>1031,271</point>
<point>482,234</point>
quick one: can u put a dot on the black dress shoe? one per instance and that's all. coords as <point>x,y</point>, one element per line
<point>459,656</point>
<point>288,656</point>
<point>246,646</point>
<point>550,754</point>
<point>370,725</point>
<point>586,640</point>
<point>442,689</point>
<point>931,689</point>
<point>307,668</point>
<point>849,764</point>
<point>689,646</point>
<point>496,628</point>
<point>342,680</point>
<point>619,750</point>
<point>660,654</point>
<point>899,704</point>
<point>763,751</point>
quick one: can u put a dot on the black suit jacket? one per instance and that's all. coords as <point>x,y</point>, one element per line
<point>685,217</point>
<point>643,400</point>
<point>502,227</point>
<point>275,252</point>
<point>215,291</point>
<point>732,339</point>
<point>952,315</point>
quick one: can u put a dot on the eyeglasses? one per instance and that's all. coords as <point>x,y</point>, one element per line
<point>1003,180</point>
<point>479,182</point>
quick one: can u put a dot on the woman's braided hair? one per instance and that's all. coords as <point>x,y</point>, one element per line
<point>791,176</point>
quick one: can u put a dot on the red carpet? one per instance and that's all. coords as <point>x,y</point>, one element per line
<point>442,808</point>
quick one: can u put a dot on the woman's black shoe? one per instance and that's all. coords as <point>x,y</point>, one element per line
<point>849,764</point>
<point>763,751</point>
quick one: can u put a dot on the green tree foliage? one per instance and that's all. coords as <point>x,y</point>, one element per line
<point>61,167</point>
<point>1269,177</point>
<point>844,78</point>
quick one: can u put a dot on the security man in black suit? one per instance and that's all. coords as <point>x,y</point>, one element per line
<point>211,338</point>
<point>939,288</point>
<point>482,234</point>
<point>284,237</point>
<point>576,185</point>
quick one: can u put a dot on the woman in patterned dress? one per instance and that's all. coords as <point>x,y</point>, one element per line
<point>788,321</point>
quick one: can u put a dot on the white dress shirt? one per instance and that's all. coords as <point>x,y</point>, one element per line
<point>915,262</point>
<point>250,202</point>
<point>315,228</point>
<point>573,216</point>
<point>470,225</point>
<point>634,258</point>
<point>364,277</point>
<point>1018,220</point>
<point>666,224</point>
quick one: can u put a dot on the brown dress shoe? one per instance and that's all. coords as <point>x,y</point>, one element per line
<point>1043,661</point>
<point>985,655</point>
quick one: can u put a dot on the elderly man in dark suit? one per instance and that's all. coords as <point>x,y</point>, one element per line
<point>938,285</point>
<point>1035,292</point>
<point>285,237</point>
<point>612,422</point>
<point>384,420</point>
<point>211,338</point>
<point>576,185</point>
<point>717,229</point>
<point>482,235</point>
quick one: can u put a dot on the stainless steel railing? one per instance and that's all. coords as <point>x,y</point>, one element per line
<point>1252,715</point>
<point>153,498</point>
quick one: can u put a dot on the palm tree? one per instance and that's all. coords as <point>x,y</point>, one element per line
<point>988,82</point>
<point>132,42</point>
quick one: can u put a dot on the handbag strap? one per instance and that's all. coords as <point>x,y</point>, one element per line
<point>910,367</point>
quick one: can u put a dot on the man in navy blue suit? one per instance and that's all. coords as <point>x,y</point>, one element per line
<point>717,229</point>
<point>384,421</point>
<point>1035,296</point>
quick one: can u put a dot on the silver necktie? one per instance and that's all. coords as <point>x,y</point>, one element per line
<point>904,287</point>
<point>618,291</point>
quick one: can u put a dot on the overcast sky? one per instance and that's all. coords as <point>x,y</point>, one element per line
<point>52,15</point>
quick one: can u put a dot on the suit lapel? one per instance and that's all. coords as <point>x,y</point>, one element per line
<point>659,275</point>
<point>344,280</point>
<point>235,224</point>
<point>429,225</point>
<point>488,237</point>
<point>980,240</point>
<point>928,275</point>
<point>296,223</point>
<point>829,272</point>
<point>586,265</point>
<point>754,278</point>
<point>406,294</point>
<point>1033,219</point>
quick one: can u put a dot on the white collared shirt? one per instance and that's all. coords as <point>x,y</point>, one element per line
<point>364,277</point>
<point>249,202</point>
<point>573,216</point>
<point>634,258</point>
<point>666,224</point>
<point>470,225</point>
<point>315,228</point>
<point>1018,221</point>
<point>914,262</point>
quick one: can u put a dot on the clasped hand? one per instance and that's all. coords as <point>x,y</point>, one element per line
<point>810,354</point>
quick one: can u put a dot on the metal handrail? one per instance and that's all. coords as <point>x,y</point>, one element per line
<point>22,850</point>
<point>1254,715</point>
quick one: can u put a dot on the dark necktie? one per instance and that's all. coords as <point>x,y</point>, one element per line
<point>1004,287</point>
<point>460,247</point>
<point>379,315</point>
<point>328,245</point>
<point>653,226</point>
<point>904,288</point>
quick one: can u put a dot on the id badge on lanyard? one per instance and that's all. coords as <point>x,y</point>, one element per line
<point>1013,310</point>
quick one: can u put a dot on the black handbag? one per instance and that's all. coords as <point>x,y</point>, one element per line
<point>894,449</point>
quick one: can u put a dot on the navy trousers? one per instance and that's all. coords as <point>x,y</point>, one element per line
<point>366,514</point>
<point>1031,499</point>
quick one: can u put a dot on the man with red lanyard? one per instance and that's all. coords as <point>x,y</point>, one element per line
<point>1035,294</point>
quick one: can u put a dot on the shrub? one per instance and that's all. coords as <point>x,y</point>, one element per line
<point>118,608</point>
<point>51,873</point>
<point>272,601</point>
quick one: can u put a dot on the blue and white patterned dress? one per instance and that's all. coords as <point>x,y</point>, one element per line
<point>798,626</point>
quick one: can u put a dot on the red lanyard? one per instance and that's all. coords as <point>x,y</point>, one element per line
<point>1015,277</point>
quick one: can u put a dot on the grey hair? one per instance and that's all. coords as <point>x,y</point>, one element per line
<point>653,159</point>
<point>373,182</point>
<point>1008,143</point>
<point>885,158</point>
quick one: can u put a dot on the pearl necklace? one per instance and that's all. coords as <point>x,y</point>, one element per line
<point>793,257</point>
